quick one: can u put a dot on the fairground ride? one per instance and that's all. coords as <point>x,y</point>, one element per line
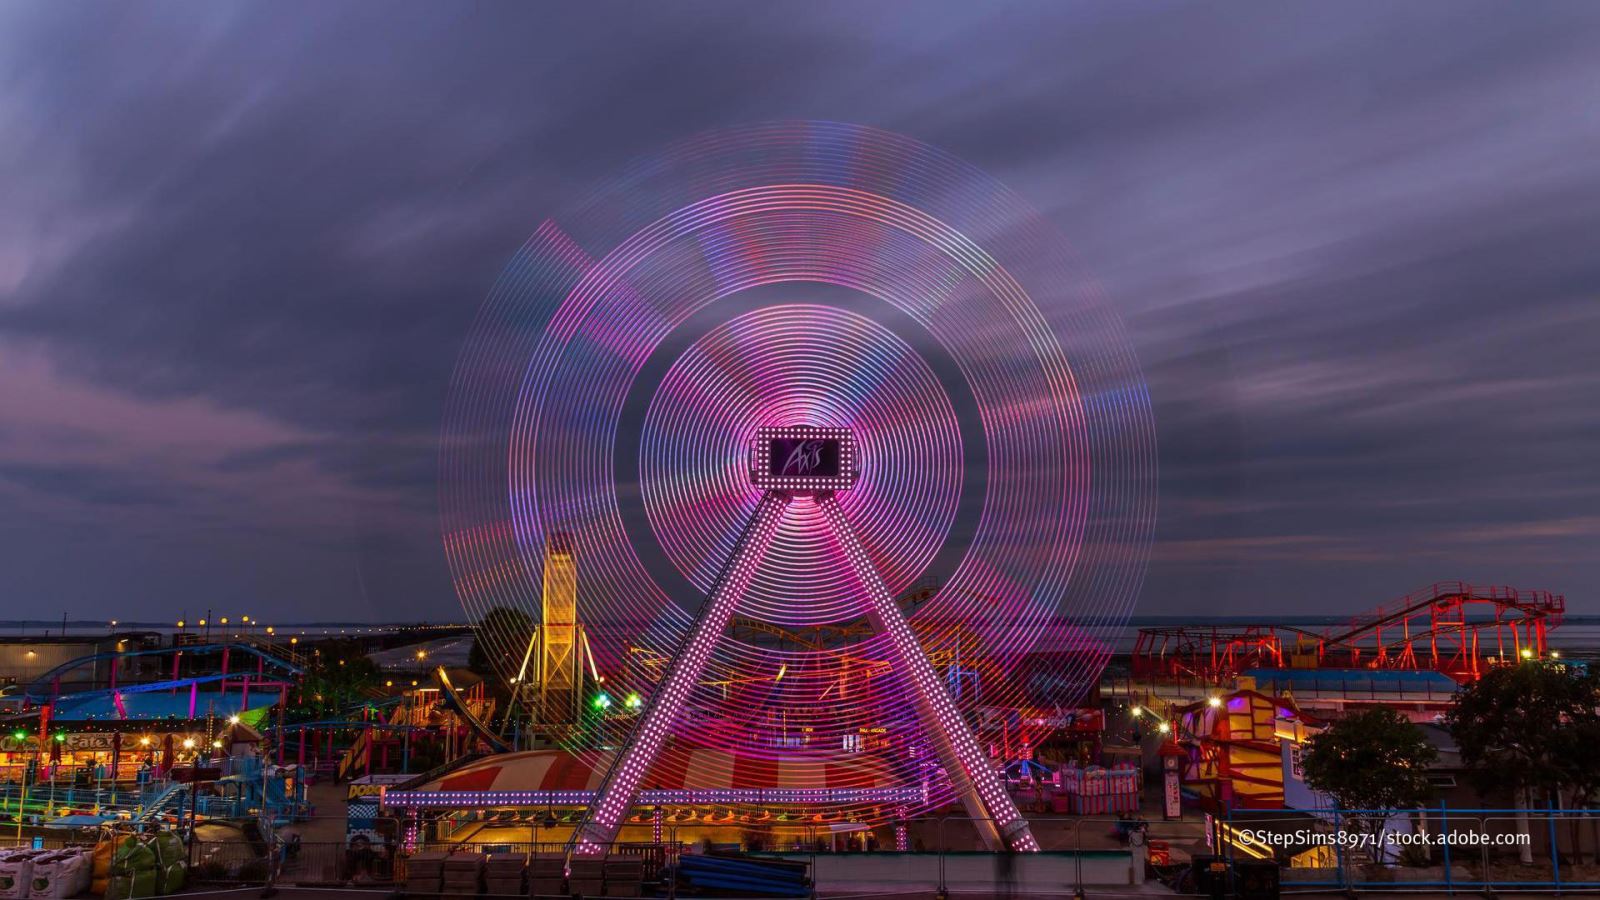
<point>1450,627</point>
<point>783,374</point>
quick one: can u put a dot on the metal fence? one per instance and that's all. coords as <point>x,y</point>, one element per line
<point>232,862</point>
<point>379,867</point>
<point>1433,850</point>
<point>938,855</point>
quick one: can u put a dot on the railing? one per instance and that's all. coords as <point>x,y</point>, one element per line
<point>1471,851</point>
<point>1527,602</point>
<point>1382,685</point>
<point>942,858</point>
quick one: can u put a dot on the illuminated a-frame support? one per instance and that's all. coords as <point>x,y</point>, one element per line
<point>999,823</point>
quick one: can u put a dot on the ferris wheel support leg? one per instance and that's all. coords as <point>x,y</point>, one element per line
<point>633,760</point>
<point>1000,824</point>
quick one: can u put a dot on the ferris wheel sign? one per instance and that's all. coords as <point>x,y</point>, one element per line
<point>803,458</point>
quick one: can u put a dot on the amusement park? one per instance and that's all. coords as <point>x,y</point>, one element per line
<point>384,757</point>
<point>826,451</point>
<point>785,574</point>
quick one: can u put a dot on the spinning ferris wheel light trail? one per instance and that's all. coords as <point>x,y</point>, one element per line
<point>783,375</point>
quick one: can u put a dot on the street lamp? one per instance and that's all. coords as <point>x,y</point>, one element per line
<point>22,800</point>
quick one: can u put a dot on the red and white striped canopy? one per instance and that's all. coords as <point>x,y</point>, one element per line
<point>560,770</point>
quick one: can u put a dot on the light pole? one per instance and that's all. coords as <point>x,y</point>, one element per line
<point>55,766</point>
<point>22,801</point>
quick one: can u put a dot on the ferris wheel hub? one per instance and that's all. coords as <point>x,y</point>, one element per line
<point>803,459</point>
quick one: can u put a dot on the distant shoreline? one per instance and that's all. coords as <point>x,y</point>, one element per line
<point>102,626</point>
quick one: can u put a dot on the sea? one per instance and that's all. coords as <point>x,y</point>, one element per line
<point>1578,636</point>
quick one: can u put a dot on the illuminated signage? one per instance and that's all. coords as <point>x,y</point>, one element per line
<point>803,458</point>
<point>1171,789</point>
<point>87,742</point>
<point>373,785</point>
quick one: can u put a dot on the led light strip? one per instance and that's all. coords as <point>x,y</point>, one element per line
<point>633,761</point>
<point>685,797</point>
<point>985,797</point>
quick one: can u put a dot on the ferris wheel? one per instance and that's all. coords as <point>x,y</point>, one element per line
<point>790,373</point>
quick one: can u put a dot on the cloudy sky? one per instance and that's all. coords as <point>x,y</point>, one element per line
<point>240,245</point>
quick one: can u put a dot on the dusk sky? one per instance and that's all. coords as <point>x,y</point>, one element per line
<point>1355,246</point>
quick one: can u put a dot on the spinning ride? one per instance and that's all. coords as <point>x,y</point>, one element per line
<point>979,417</point>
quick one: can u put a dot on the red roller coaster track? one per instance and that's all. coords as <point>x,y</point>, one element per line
<point>1448,627</point>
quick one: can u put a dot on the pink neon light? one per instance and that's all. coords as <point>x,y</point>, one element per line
<point>621,784</point>
<point>986,800</point>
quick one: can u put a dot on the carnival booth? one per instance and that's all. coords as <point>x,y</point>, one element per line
<point>1097,791</point>
<point>1235,760</point>
<point>706,787</point>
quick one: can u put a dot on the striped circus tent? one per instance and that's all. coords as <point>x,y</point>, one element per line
<point>695,770</point>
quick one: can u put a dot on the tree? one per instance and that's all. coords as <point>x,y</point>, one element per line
<point>1374,761</point>
<point>1533,727</point>
<point>500,643</point>
<point>339,677</point>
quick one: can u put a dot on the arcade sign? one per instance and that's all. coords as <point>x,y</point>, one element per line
<point>95,742</point>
